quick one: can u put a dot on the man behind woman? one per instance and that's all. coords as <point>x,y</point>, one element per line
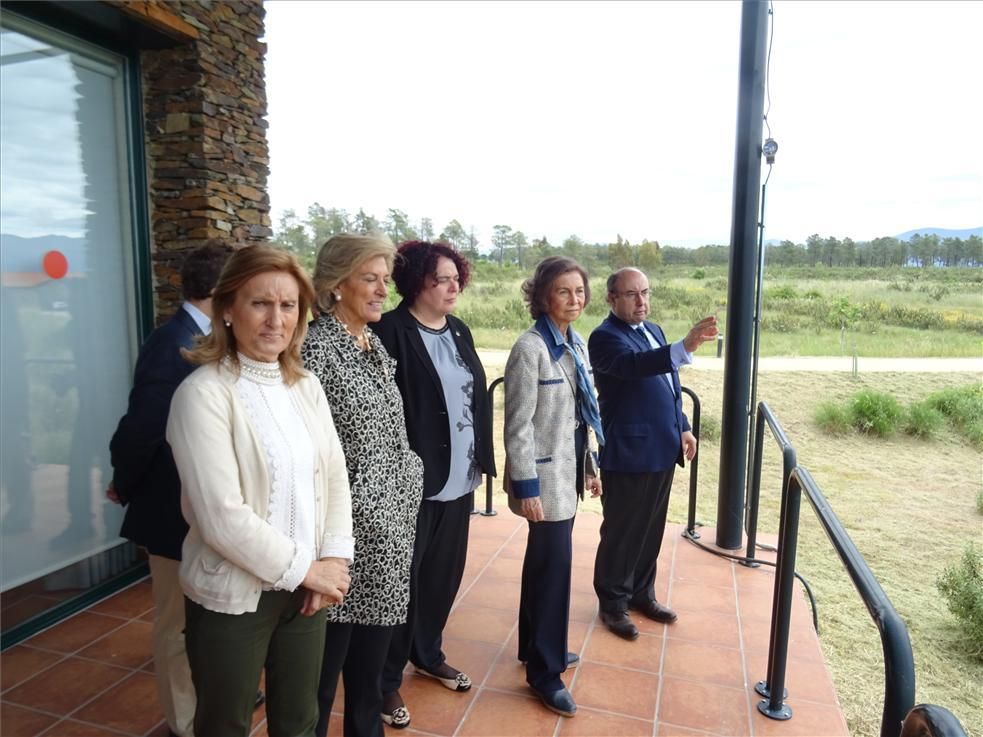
<point>266,498</point>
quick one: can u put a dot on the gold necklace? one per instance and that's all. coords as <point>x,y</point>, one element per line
<point>361,339</point>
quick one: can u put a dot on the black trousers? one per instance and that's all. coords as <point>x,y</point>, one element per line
<point>358,652</point>
<point>439,555</point>
<point>544,604</point>
<point>635,507</point>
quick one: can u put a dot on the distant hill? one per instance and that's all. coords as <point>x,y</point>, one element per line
<point>941,233</point>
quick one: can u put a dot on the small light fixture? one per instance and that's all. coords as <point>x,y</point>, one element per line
<point>769,149</point>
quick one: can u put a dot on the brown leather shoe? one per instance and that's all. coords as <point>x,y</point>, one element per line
<point>655,611</point>
<point>620,624</point>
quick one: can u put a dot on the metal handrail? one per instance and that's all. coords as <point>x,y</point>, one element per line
<point>489,510</point>
<point>899,664</point>
<point>789,462</point>
<point>694,466</point>
<point>929,720</point>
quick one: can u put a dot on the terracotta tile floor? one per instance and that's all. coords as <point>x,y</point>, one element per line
<point>92,676</point>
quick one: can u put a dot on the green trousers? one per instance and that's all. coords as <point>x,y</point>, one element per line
<point>227,654</point>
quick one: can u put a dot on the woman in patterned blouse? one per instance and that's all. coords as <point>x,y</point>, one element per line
<point>448,417</point>
<point>351,279</point>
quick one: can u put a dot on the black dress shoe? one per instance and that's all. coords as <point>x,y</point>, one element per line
<point>620,623</point>
<point>559,701</point>
<point>655,611</point>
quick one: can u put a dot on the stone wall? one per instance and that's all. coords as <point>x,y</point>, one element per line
<point>205,129</point>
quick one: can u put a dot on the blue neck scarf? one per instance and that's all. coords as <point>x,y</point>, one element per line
<point>586,398</point>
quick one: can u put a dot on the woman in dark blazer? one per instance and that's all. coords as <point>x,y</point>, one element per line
<point>448,420</point>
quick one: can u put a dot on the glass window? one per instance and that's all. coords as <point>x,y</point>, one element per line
<point>66,306</point>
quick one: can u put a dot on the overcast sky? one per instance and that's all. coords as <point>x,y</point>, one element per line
<point>598,119</point>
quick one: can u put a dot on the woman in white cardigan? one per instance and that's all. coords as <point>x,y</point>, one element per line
<point>549,405</point>
<point>265,492</point>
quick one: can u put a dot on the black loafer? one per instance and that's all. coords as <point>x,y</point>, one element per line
<point>559,701</point>
<point>450,677</point>
<point>620,624</point>
<point>655,611</point>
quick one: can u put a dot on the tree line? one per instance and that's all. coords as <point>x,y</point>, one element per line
<point>508,246</point>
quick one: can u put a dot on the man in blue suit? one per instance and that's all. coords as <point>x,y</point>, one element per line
<point>145,478</point>
<point>646,434</point>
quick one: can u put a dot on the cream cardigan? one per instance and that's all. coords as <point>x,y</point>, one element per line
<point>230,551</point>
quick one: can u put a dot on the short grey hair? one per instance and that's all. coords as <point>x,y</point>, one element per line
<point>340,256</point>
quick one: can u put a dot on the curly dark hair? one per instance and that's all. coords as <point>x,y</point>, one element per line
<point>201,269</point>
<point>416,261</point>
<point>536,289</point>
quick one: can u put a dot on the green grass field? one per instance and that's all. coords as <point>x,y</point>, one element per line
<point>807,312</point>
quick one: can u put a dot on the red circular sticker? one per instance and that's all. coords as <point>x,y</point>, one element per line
<point>55,264</point>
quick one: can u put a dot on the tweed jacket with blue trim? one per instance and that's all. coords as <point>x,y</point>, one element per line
<point>540,421</point>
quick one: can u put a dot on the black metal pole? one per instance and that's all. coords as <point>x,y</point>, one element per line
<point>489,508</point>
<point>754,486</point>
<point>740,290</point>
<point>781,612</point>
<point>694,467</point>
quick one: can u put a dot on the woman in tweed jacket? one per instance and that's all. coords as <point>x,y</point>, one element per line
<point>549,404</point>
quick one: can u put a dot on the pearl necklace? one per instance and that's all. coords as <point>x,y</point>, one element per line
<point>259,371</point>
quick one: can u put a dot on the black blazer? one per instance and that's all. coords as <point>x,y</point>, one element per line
<point>423,396</point>
<point>143,469</point>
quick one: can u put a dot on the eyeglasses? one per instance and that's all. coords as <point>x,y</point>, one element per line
<point>632,295</point>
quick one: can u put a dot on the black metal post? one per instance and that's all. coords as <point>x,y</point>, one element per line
<point>489,509</point>
<point>781,613</point>
<point>789,462</point>
<point>694,467</point>
<point>754,487</point>
<point>740,291</point>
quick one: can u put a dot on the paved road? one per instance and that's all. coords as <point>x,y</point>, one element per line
<point>824,364</point>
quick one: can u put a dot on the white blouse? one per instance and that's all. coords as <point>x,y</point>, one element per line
<point>290,459</point>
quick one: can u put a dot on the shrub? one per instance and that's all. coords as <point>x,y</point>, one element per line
<point>780,292</point>
<point>964,408</point>
<point>923,421</point>
<point>962,587</point>
<point>698,274</point>
<point>709,429</point>
<point>979,501</point>
<point>875,413</point>
<point>832,418</point>
<point>780,323</point>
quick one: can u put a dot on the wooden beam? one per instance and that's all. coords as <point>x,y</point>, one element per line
<point>154,14</point>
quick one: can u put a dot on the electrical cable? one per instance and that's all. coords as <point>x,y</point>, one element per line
<point>771,38</point>
<point>759,561</point>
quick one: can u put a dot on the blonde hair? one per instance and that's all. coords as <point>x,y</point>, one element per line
<point>242,266</point>
<point>340,256</point>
